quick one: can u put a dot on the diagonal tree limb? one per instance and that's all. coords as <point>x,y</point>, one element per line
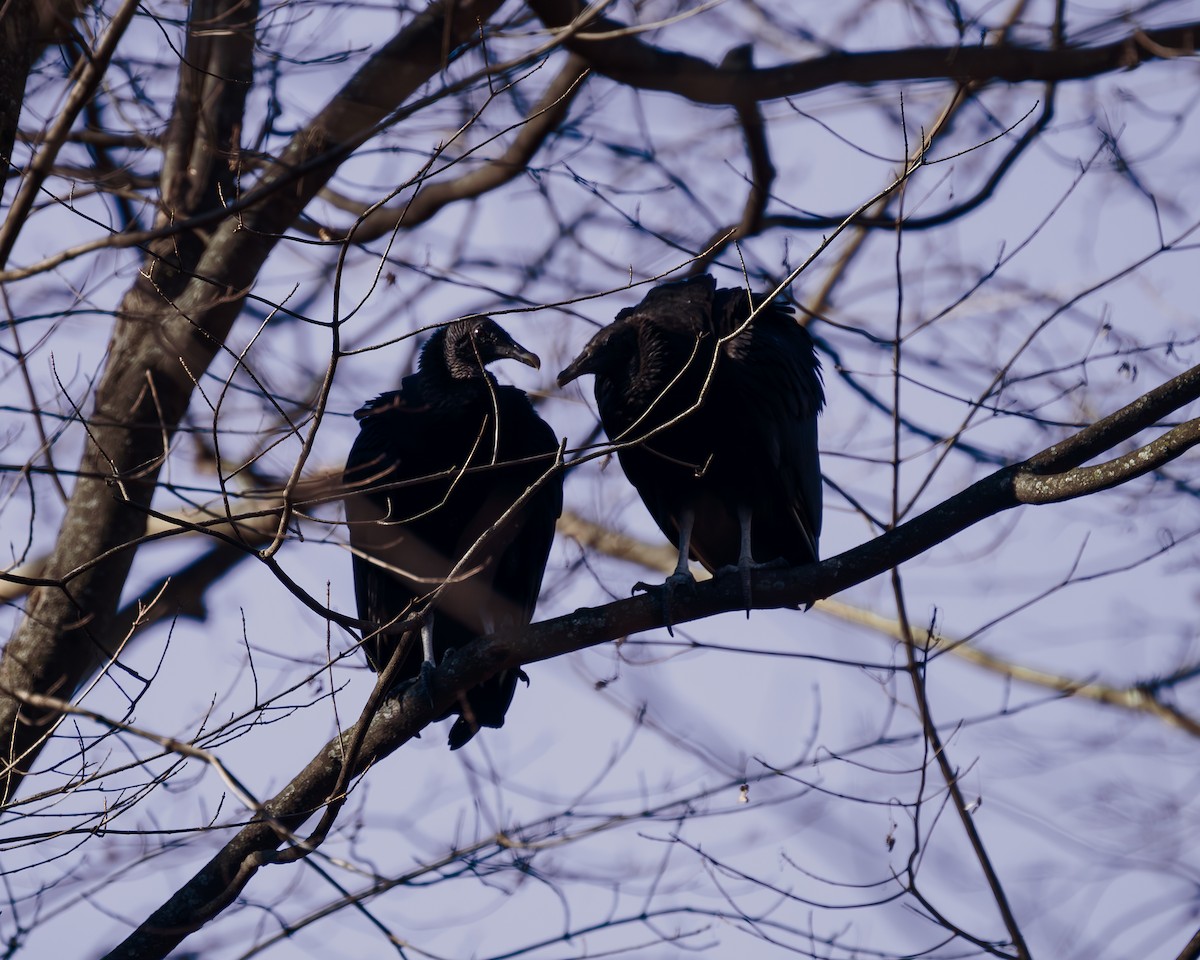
<point>1192,950</point>
<point>220,881</point>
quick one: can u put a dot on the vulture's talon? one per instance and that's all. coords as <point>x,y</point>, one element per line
<point>665,592</point>
<point>743,572</point>
<point>427,681</point>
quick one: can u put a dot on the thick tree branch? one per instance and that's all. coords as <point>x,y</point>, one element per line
<point>359,110</point>
<point>1140,697</point>
<point>176,319</point>
<point>397,721</point>
<point>141,396</point>
<point>1192,950</point>
<point>1117,427</point>
<point>1081,481</point>
<point>612,50</point>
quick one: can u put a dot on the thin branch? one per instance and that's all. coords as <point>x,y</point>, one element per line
<point>949,214</point>
<point>170,744</point>
<point>916,672</point>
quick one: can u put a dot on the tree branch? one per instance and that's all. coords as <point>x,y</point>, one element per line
<point>217,883</point>
<point>762,173</point>
<point>550,110</point>
<point>1081,481</point>
<point>25,30</point>
<point>1138,697</point>
<point>1192,950</point>
<point>142,393</point>
<point>611,49</point>
<point>937,747</point>
<point>91,72</point>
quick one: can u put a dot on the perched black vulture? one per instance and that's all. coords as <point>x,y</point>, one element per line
<point>441,464</point>
<point>715,421</point>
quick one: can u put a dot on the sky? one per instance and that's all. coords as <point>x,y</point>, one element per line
<point>746,785</point>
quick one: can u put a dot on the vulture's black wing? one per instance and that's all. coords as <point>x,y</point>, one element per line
<point>715,421</point>
<point>398,432</point>
<point>515,549</point>
<point>770,376</point>
<point>442,520</point>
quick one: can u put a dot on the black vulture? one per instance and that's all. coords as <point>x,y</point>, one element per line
<point>715,422</point>
<point>451,496</point>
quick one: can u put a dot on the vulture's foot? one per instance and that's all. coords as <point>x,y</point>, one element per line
<point>426,681</point>
<point>683,582</point>
<point>743,569</point>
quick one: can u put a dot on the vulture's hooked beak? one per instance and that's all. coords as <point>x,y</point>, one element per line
<point>515,351</point>
<point>577,368</point>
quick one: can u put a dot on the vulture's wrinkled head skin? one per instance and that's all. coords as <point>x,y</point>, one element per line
<point>465,347</point>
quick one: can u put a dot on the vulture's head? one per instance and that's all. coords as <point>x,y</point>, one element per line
<point>611,351</point>
<point>466,347</point>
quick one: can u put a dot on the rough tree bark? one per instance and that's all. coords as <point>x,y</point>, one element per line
<point>173,322</point>
<point>25,31</point>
